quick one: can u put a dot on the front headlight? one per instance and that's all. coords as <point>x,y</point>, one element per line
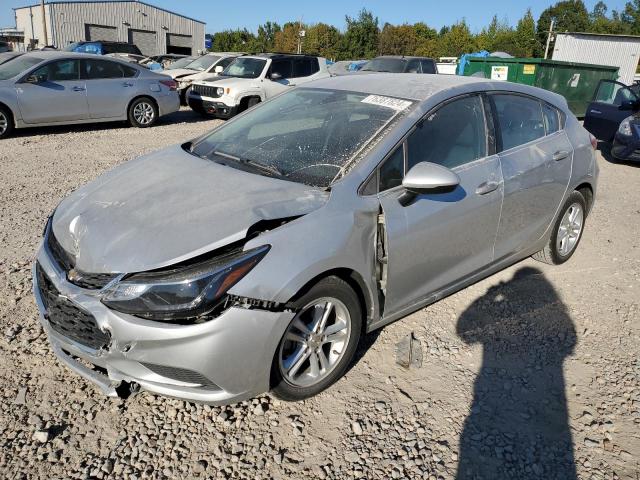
<point>625,126</point>
<point>220,91</point>
<point>184,292</point>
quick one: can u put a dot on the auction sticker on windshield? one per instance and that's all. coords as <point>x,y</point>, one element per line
<point>390,102</point>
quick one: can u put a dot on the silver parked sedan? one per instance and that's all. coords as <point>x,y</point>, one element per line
<point>57,88</point>
<point>255,258</point>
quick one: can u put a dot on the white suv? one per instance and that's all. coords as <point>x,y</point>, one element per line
<point>206,67</point>
<point>253,79</point>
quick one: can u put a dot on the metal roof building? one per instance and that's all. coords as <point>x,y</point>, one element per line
<point>154,30</point>
<point>622,51</point>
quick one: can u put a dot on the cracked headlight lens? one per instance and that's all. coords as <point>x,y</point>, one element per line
<point>182,292</point>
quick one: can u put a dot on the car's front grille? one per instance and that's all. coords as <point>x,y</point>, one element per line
<point>66,318</point>
<point>205,90</point>
<point>181,375</point>
<point>66,262</point>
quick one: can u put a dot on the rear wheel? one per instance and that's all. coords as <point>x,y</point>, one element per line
<point>143,113</point>
<point>320,341</point>
<point>6,122</point>
<point>566,233</point>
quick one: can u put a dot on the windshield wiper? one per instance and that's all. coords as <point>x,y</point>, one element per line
<point>271,170</point>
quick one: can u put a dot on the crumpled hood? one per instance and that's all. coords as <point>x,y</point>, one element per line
<point>178,72</point>
<point>167,207</point>
<point>234,84</point>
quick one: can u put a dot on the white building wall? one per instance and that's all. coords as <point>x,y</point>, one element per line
<point>29,19</point>
<point>617,51</point>
<point>66,22</point>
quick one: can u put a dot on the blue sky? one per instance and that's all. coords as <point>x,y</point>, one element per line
<point>220,15</point>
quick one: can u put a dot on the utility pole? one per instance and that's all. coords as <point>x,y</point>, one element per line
<point>44,24</point>
<point>546,50</point>
<point>301,34</point>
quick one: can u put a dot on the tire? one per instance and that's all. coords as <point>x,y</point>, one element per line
<point>343,323</point>
<point>184,97</point>
<point>143,113</point>
<point>252,102</point>
<point>6,123</point>
<point>555,252</point>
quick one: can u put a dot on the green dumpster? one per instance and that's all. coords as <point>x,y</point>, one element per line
<point>577,82</point>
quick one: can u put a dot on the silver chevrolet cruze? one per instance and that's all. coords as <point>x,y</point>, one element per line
<point>59,88</point>
<point>255,257</point>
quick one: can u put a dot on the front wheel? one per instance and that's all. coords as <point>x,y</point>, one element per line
<point>566,233</point>
<point>143,113</point>
<point>319,343</point>
<point>6,123</point>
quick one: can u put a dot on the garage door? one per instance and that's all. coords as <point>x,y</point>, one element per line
<point>145,40</point>
<point>179,44</point>
<point>100,32</point>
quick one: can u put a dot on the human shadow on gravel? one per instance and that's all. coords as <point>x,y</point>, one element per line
<point>518,427</point>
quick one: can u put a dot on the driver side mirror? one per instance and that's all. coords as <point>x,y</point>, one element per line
<point>275,76</point>
<point>35,79</point>
<point>219,69</point>
<point>427,177</point>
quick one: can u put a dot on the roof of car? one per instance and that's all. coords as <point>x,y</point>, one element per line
<point>282,55</point>
<point>53,54</point>
<point>404,85</point>
<point>405,57</point>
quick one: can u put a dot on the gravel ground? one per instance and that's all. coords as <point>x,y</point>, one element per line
<point>532,373</point>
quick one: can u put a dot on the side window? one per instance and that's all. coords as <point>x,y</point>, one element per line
<point>454,135</point>
<point>225,62</point>
<point>428,66</point>
<point>519,119</point>
<point>551,118</point>
<point>391,172</point>
<point>301,67</point>
<point>283,67</point>
<point>129,72</point>
<point>414,66</point>
<point>614,93</point>
<point>100,69</point>
<point>59,71</point>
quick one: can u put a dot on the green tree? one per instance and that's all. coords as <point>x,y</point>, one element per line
<point>322,39</point>
<point>457,40</point>
<point>526,41</point>
<point>265,40</point>
<point>232,41</point>
<point>426,40</point>
<point>360,39</point>
<point>397,40</point>
<point>286,40</point>
<point>568,15</point>
<point>630,17</point>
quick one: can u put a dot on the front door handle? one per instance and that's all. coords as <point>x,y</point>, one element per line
<point>560,155</point>
<point>79,89</point>
<point>127,84</point>
<point>595,112</point>
<point>487,187</point>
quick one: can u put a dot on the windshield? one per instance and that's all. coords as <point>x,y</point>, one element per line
<point>393,65</point>
<point>203,63</point>
<point>244,67</point>
<point>183,62</point>
<point>17,66</point>
<point>306,135</point>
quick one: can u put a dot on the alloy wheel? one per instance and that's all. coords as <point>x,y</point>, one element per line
<point>315,342</point>
<point>570,229</point>
<point>4,123</point>
<point>144,113</point>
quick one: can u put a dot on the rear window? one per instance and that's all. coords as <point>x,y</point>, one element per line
<point>551,118</point>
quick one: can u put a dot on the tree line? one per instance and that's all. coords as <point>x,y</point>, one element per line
<point>363,37</point>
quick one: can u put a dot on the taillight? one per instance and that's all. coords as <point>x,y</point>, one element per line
<point>594,142</point>
<point>169,83</point>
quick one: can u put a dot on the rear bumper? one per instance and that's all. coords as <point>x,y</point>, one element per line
<point>211,107</point>
<point>232,352</point>
<point>168,103</point>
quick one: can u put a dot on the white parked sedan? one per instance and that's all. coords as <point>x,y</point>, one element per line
<point>57,88</point>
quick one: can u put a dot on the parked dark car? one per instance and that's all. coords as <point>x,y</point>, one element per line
<point>612,116</point>
<point>398,64</point>
<point>5,47</point>
<point>102,47</point>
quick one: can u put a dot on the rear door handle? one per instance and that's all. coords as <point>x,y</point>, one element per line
<point>79,89</point>
<point>596,112</point>
<point>560,155</point>
<point>127,84</point>
<point>487,187</point>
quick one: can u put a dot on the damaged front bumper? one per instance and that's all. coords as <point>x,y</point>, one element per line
<point>224,360</point>
<point>211,107</point>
